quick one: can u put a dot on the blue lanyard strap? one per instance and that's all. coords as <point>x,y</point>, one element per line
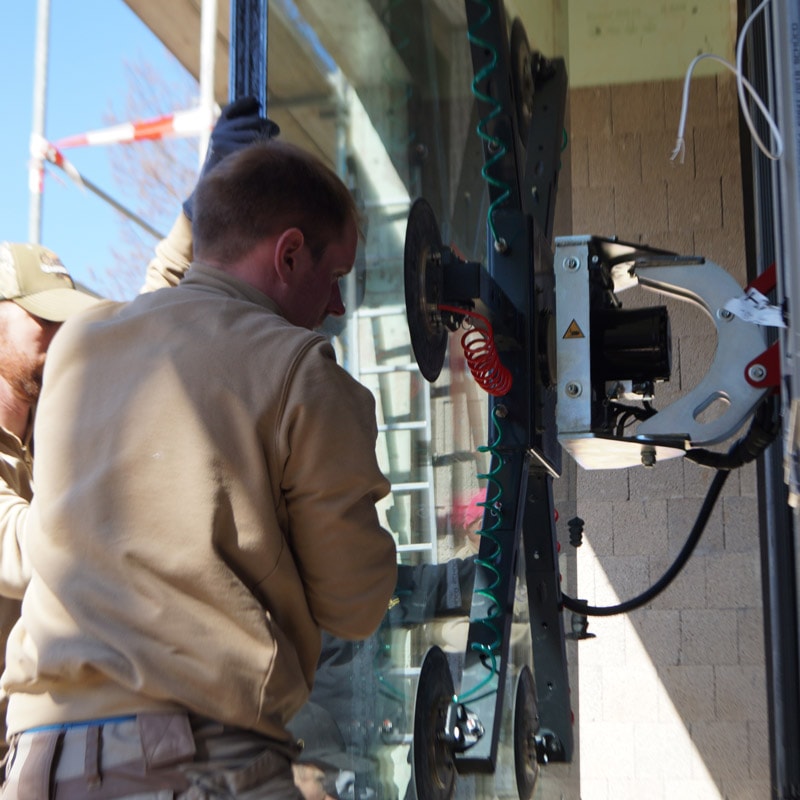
<point>65,726</point>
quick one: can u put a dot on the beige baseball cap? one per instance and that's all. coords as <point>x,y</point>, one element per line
<point>35,279</point>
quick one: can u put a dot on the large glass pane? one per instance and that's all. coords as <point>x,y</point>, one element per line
<point>406,126</point>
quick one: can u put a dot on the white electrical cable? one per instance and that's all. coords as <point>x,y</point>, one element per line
<point>741,84</point>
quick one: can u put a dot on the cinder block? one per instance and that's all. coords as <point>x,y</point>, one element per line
<point>758,752</point>
<point>748,480</point>
<point>559,780</point>
<point>741,693</point>
<point>740,521</point>
<point>716,152</point>
<point>607,749</point>
<point>697,479</point>
<point>733,580</point>
<point>733,204</point>
<point>703,106</point>
<point>586,576</point>
<point>721,746</point>
<point>630,696</point>
<point>626,576</point>
<point>681,517</point>
<point>724,246</point>
<point>680,242</point>
<point>688,322</point>
<point>698,351</point>
<point>608,649</point>
<point>593,210</point>
<point>640,208</point>
<point>640,528</point>
<point>689,692</point>
<point>687,590</point>
<point>614,160</point>
<point>591,789</point>
<point>590,111</point>
<point>579,161</point>
<point>602,484</point>
<point>598,532</point>
<point>659,633</point>
<point>694,205</point>
<point>662,481</point>
<point>727,99</point>
<point>657,161</point>
<point>637,107</point>
<point>591,683</point>
<point>751,789</point>
<point>564,489</point>
<point>634,789</point>
<point>661,755</point>
<point>708,636</point>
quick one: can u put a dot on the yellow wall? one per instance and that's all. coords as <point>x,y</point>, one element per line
<point>629,41</point>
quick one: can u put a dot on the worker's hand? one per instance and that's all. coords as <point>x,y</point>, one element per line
<point>309,780</point>
<point>238,125</point>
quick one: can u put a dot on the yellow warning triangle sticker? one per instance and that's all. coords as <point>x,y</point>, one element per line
<point>574,331</point>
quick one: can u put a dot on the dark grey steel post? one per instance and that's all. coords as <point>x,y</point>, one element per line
<point>771,208</point>
<point>247,74</point>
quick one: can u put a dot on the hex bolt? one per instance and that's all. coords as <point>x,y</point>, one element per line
<point>500,245</point>
<point>573,389</point>
<point>571,263</point>
<point>648,456</point>
<point>501,411</point>
<point>757,373</point>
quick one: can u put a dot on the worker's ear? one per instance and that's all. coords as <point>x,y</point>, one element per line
<point>287,253</point>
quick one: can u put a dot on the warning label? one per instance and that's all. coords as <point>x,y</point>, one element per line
<point>574,331</point>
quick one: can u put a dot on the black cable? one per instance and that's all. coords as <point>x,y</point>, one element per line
<point>763,429</point>
<point>582,607</point>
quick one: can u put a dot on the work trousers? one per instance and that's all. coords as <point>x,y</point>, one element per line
<point>169,756</point>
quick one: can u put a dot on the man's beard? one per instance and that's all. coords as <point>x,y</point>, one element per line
<point>25,379</point>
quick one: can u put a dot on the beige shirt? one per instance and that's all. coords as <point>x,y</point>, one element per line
<point>206,486</point>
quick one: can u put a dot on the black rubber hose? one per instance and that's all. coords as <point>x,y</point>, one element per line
<point>763,430</point>
<point>582,607</point>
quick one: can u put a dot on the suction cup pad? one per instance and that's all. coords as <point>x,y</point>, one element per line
<point>432,762</point>
<point>521,77</point>
<point>526,726</point>
<point>423,289</point>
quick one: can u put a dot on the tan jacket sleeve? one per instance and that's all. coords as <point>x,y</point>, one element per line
<point>15,568</point>
<point>172,258</point>
<point>331,483</point>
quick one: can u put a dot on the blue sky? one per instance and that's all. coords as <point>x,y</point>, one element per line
<point>90,43</point>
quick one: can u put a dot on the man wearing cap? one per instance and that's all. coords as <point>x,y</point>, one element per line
<point>36,296</point>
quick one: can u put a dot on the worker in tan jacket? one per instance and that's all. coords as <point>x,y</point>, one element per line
<point>36,296</point>
<point>206,489</point>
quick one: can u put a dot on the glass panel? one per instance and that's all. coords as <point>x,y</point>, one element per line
<point>407,128</point>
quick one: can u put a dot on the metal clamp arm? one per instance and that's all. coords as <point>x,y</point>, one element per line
<point>725,384</point>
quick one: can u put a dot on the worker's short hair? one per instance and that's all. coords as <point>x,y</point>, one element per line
<point>262,190</point>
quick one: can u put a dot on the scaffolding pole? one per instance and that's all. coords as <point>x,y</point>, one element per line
<point>208,51</point>
<point>36,167</point>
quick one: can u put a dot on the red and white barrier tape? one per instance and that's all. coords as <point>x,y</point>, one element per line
<point>182,123</point>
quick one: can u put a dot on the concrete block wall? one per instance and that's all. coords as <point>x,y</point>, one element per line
<point>672,697</point>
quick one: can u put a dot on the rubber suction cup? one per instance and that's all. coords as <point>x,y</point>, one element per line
<point>423,289</point>
<point>433,769</point>
<point>522,76</point>
<point>526,727</point>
